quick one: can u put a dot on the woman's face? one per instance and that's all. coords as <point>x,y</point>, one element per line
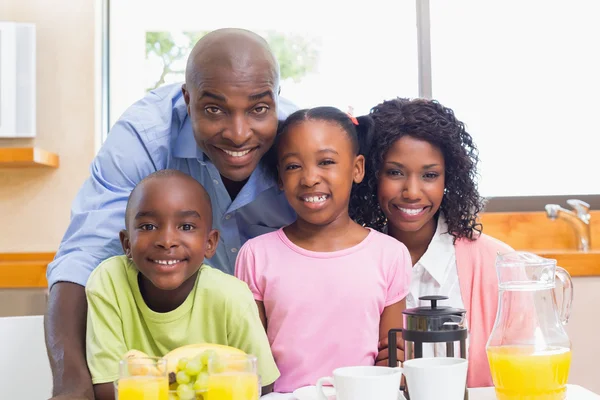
<point>411,184</point>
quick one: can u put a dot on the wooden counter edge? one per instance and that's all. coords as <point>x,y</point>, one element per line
<point>28,270</point>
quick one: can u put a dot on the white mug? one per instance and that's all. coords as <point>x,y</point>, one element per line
<point>363,383</point>
<point>436,378</point>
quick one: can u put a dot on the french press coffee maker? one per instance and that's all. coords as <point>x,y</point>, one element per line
<point>443,327</point>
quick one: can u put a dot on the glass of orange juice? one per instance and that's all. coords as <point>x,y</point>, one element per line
<point>143,378</point>
<point>232,377</point>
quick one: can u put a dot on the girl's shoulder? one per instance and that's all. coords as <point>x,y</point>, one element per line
<point>385,243</point>
<point>264,239</point>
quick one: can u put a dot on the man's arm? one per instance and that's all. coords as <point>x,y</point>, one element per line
<point>97,216</point>
<point>65,340</point>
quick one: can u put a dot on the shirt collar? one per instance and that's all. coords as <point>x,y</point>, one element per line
<point>436,260</point>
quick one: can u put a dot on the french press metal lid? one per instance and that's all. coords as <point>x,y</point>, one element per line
<point>430,324</point>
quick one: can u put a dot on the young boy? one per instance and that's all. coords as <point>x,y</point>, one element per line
<point>160,295</point>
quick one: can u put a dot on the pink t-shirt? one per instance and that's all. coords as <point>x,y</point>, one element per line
<point>323,308</point>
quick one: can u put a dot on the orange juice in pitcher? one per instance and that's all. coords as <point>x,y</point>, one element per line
<point>522,372</point>
<point>528,350</point>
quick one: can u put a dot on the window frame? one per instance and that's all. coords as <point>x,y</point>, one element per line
<point>425,86</point>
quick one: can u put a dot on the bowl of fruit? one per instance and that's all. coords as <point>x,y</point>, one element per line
<point>209,372</point>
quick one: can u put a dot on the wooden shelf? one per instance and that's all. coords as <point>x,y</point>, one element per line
<point>24,157</point>
<point>24,270</point>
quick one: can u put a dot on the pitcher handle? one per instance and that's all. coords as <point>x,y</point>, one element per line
<point>567,294</point>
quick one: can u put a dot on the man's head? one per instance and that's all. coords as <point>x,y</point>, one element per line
<point>231,89</point>
<point>168,228</point>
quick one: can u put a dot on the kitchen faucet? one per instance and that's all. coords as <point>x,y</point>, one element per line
<point>579,219</point>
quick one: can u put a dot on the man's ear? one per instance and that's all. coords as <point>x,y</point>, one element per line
<point>186,97</point>
<point>212,241</point>
<point>125,243</point>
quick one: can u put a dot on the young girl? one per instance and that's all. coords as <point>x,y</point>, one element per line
<point>327,288</point>
<point>421,188</point>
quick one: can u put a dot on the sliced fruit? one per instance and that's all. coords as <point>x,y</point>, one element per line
<point>193,350</point>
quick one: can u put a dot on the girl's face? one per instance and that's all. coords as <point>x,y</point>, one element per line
<point>317,167</point>
<point>411,184</point>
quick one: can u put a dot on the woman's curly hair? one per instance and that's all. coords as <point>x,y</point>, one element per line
<point>430,121</point>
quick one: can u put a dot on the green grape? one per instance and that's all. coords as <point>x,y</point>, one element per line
<point>183,378</point>
<point>217,365</point>
<point>185,392</point>
<point>201,384</point>
<point>182,363</point>
<point>207,355</point>
<point>193,367</point>
<point>173,396</point>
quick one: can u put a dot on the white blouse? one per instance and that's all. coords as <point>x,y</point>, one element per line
<point>436,274</point>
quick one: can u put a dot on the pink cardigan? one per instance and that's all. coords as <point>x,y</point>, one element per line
<point>475,261</point>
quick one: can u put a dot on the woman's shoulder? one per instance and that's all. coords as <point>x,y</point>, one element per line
<point>481,245</point>
<point>487,241</point>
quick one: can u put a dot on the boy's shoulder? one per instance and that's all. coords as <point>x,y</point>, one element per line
<point>111,273</point>
<point>222,287</point>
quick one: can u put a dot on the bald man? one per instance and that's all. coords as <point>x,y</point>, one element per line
<point>215,127</point>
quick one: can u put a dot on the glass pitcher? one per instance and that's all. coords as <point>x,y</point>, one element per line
<point>528,350</point>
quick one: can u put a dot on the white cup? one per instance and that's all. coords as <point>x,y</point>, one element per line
<point>436,378</point>
<point>363,383</point>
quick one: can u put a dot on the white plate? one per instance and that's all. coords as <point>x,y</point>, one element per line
<point>310,392</point>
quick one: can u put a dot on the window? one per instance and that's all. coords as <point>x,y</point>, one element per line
<point>330,53</point>
<point>523,76</point>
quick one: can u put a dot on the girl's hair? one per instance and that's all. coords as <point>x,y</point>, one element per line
<point>425,120</point>
<point>360,134</point>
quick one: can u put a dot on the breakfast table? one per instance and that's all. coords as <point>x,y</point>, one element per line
<point>574,392</point>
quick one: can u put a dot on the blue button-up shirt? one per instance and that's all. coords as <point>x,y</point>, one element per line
<point>153,134</point>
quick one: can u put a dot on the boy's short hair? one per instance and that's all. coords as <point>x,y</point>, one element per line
<point>165,174</point>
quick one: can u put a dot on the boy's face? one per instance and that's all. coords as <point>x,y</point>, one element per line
<point>169,231</point>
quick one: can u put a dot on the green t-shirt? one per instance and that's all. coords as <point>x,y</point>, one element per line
<point>220,309</point>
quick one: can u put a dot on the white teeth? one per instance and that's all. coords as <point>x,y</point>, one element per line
<point>315,199</point>
<point>237,153</point>
<point>166,262</point>
<point>411,211</point>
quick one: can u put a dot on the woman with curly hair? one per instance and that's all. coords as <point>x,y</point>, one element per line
<point>420,188</point>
